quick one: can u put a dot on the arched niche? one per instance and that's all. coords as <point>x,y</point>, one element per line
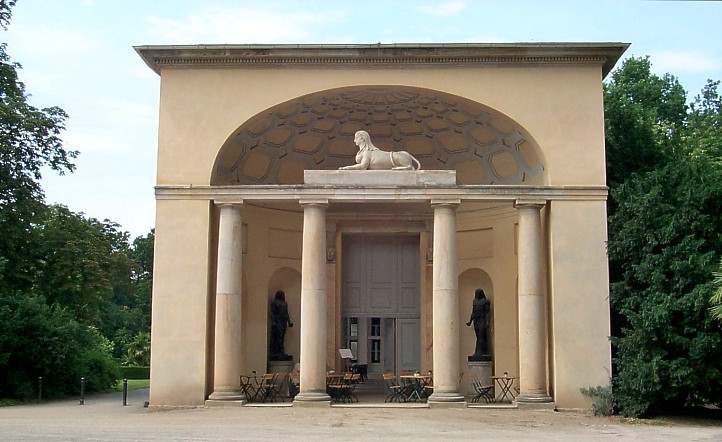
<point>469,281</point>
<point>442,130</point>
<point>288,280</point>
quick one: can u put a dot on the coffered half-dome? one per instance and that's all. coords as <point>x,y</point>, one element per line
<point>316,131</point>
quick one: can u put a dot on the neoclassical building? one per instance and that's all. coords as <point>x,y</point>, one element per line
<point>511,198</point>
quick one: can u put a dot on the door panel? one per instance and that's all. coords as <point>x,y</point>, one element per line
<point>389,345</point>
<point>408,343</point>
<point>380,279</point>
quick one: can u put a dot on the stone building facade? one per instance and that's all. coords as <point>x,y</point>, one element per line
<point>511,199</point>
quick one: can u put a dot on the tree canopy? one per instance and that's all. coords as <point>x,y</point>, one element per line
<point>74,292</point>
<point>665,239</point>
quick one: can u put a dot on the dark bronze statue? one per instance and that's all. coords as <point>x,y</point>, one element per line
<point>280,320</point>
<point>480,316</point>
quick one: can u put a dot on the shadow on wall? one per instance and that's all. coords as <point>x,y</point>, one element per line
<point>288,280</point>
<point>469,281</point>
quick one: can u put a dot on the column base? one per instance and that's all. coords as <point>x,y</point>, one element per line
<point>452,399</point>
<point>211,403</point>
<point>312,399</point>
<point>229,395</point>
<point>534,398</point>
<point>434,404</point>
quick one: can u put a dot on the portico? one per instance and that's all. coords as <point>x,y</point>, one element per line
<point>511,198</point>
<point>443,196</point>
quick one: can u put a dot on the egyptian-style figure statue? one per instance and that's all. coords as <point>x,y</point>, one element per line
<point>280,320</point>
<point>480,317</point>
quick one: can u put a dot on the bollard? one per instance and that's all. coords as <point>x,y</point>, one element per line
<point>82,391</point>
<point>125,392</point>
<point>40,389</point>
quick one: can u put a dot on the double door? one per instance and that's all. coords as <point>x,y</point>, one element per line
<point>381,301</point>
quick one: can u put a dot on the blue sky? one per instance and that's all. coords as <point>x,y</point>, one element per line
<point>77,54</point>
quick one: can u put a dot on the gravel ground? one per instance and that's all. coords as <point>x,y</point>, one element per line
<point>103,418</point>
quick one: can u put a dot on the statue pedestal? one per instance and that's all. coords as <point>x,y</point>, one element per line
<point>477,370</point>
<point>380,178</point>
<point>282,368</point>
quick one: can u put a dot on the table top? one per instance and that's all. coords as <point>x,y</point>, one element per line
<point>415,376</point>
<point>511,378</point>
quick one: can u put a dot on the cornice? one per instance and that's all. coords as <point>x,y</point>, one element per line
<point>603,54</point>
<point>380,194</point>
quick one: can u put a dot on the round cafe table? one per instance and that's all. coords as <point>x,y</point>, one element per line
<point>416,384</point>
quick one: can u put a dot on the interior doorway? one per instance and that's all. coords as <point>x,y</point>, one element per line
<point>380,298</point>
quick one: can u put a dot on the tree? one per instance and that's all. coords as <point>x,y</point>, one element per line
<point>82,263</point>
<point>644,115</point>
<point>39,340</point>
<point>665,237</point>
<point>29,140</point>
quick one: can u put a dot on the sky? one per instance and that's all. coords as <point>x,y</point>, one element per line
<point>77,54</point>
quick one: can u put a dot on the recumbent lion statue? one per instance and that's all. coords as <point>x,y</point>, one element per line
<point>370,157</point>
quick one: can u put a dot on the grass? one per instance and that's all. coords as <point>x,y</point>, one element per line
<point>9,402</point>
<point>133,384</point>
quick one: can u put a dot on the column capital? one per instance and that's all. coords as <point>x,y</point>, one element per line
<point>228,202</point>
<point>319,202</point>
<point>452,202</point>
<point>529,203</point>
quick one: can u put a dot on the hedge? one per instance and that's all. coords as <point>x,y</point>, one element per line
<point>135,372</point>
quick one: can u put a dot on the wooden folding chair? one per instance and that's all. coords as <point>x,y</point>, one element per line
<point>392,388</point>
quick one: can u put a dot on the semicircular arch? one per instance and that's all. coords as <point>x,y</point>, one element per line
<point>442,130</point>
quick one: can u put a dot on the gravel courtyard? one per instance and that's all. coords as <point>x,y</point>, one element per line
<point>103,418</point>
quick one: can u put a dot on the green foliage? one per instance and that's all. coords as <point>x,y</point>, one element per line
<point>74,294</point>
<point>716,298</point>
<point>602,399</point>
<point>39,340</point>
<point>29,141</point>
<point>138,350</point>
<point>644,115</point>
<point>78,260</point>
<point>665,237</point>
<point>135,372</point>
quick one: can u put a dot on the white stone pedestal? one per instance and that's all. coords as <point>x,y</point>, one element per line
<point>477,371</point>
<point>282,368</point>
<point>380,178</point>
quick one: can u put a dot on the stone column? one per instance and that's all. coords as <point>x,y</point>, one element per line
<point>532,305</point>
<point>314,308</point>
<point>227,349</point>
<point>445,305</point>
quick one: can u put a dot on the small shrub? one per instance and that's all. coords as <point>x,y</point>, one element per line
<point>602,399</point>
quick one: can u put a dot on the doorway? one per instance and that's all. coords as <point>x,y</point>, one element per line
<point>380,298</point>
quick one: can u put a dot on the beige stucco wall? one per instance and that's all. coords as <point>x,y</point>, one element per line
<point>560,106</point>
<point>179,335</point>
<point>579,299</point>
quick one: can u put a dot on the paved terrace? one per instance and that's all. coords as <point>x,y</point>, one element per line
<point>103,418</point>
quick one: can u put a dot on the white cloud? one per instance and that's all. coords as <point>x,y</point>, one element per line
<point>444,9</point>
<point>239,25</point>
<point>685,61</point>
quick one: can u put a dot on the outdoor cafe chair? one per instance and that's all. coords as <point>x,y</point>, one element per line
<point>269,389</point>
<point>485,392</point>
<point>392,388</point>
<point>334,386</point>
